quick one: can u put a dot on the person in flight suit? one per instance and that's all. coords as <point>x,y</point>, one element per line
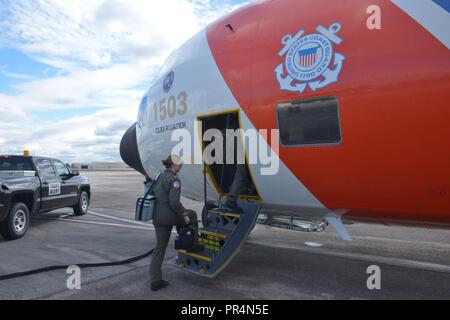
<point>241,182</point>
<point>168,212</point>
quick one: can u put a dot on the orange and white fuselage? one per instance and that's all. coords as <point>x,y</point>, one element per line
<point>392,85</point>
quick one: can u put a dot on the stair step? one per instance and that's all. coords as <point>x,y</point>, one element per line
<point>228,214</point>
<point>234,215</point>
<point>222,236</point>
<point>212,239</point>
<point>202,256</point>
<point>214,234</point>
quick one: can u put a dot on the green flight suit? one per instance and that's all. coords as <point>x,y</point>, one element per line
<point>241,182</point>
<point>168,212</point>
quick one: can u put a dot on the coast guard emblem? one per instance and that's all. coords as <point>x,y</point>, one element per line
<point>310,60</point>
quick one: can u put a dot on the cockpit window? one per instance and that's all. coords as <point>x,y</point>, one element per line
<point>309,122</point>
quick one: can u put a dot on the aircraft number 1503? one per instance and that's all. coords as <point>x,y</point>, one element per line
<point>168,108</point>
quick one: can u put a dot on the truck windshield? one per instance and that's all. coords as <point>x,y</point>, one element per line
<point>15,164</point>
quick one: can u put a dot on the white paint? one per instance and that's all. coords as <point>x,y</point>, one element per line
<point>54,189</point>
<point>17,174</point>
<point>430,15</point>
<point>99,223</point>
<point>313,244</point>
<point>118,219</point>
<point>284,188</point>
<point>197,73</point>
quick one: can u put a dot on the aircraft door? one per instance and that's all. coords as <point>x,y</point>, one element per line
<point>223,174</point>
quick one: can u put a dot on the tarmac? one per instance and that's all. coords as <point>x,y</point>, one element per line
<point>273,264</point>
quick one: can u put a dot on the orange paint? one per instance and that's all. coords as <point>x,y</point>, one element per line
<point>393,93</point>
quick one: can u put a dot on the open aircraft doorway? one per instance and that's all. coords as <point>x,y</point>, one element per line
<point>222,174</point>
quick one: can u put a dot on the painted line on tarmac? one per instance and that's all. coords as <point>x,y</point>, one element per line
<point>141,227</point>
<point>357,256</point>
<point>119,219</point>
<point>99,223</point>
<point>374,238</point>
<point>149,226</point>
<point>318,251</point>
<point>427,243</point>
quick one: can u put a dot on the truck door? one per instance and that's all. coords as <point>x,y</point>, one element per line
<point>69,184</point>
<point>50,185</point>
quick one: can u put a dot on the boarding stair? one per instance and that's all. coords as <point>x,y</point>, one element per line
<point>222,235</point>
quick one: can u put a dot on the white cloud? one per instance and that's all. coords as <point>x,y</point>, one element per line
<point>4,71</point>
<point>83,88</point>
<point>98,31</point>
<point>104,51</point>
<point>85,138</point>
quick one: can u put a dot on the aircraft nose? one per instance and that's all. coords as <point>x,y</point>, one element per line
<point>129,150</point>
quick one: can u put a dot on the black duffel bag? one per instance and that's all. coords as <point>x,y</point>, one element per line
<point>185,239</point>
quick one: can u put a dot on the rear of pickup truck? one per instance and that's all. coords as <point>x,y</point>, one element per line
<point>19,191</point>
<point>14,189</point>
<point>4,199</point>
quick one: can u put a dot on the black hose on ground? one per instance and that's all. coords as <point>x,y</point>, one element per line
<point>81,266</point>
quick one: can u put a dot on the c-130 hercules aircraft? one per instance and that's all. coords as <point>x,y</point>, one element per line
<point>362,115</point>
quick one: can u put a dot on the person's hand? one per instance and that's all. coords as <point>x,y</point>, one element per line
<point>186,219</point>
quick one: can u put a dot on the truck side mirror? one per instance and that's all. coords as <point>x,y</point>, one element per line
<point>75,173</point>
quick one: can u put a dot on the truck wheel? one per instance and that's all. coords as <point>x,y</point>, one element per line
<point>83,204</point>
<point>16,224</point>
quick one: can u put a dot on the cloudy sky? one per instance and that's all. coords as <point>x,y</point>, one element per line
<point>72,72</point>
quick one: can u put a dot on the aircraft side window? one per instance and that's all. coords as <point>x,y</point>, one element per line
<point>309,122</point>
